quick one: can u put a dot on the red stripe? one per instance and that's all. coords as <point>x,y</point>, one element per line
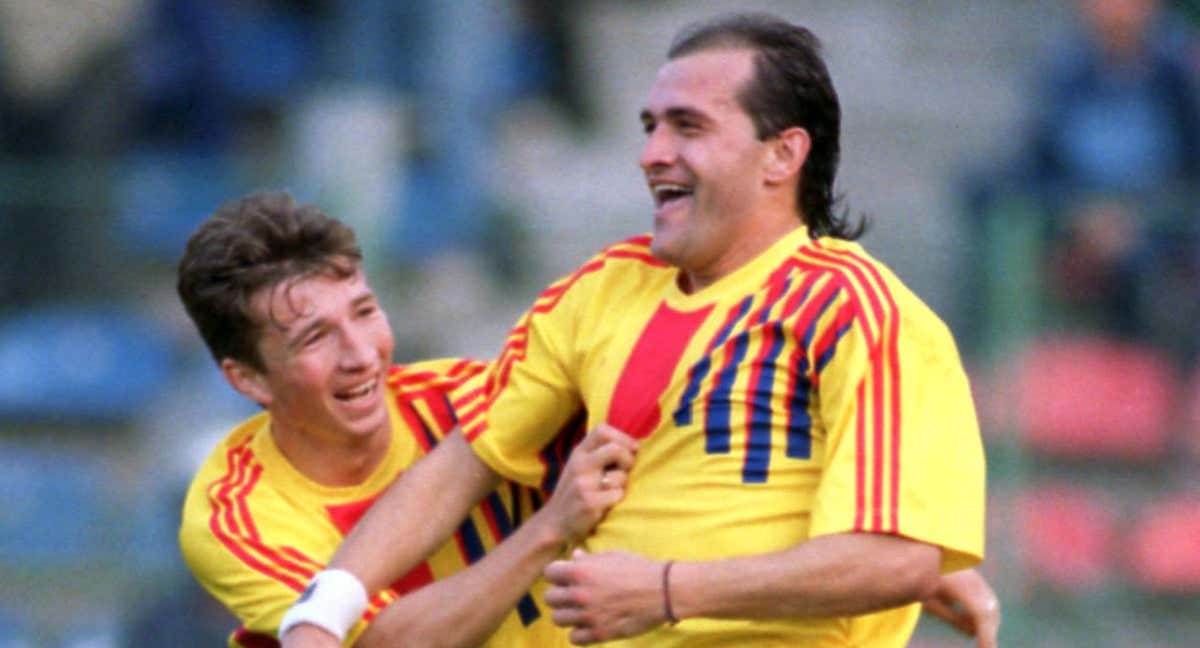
<point>250,561</point>
<point>648,370</point>
<point>870,290</point>
<point>413,423</point>
<point>233,510</point>
<point>893,384</point>
<point>893,360</point>
<point>549,299</point>
<point>489,514</point>
<point>776,281</point>
<point>248,639</point>
<point>860,469</point>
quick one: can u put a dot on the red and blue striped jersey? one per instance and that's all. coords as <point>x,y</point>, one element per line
<point>807,393</point>
<point>255,530</point>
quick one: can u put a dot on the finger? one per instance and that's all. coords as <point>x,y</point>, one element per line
<point>578,553</point>
<point>559,572</point>
<point>582,636</point>
<point>950,615</point>
<point>559,597</point>
<point>613,479</point>
<point>566,617</point>
<point>611,456</point>
<point>607,432</point>
<point>987,627</point>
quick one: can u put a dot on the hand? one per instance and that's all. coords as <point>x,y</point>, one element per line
<point>592,481</point>
<point>605,596</point>
<point>306,635</point>
<point>964,600</point>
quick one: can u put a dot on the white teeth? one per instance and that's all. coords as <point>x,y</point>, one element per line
<point>358,392</point>
<point>664,192</point>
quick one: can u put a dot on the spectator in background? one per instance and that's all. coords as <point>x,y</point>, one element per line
<point>1112,151</point>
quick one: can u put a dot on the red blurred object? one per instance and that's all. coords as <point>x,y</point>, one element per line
<point>1164,547</point>
<point>1066,536</point>
<point>1095,398</point>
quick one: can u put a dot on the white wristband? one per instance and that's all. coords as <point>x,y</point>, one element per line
<point>334,600</point>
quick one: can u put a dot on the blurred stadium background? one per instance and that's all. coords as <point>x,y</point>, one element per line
<point>482,148</point>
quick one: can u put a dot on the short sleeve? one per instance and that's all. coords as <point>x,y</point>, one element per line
<point>903,451</point>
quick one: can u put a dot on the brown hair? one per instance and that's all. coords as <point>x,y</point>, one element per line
<point>258,242</point>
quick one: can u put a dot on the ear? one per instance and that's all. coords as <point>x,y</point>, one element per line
<point>786,155</point>
<point>248,382</point>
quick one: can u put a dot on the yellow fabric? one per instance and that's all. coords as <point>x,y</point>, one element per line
<point>255,530</point>
<point>813,350</point>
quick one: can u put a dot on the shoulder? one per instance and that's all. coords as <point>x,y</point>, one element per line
<point>617,259</point>
<point>877,293</point>
<point>230,465</point>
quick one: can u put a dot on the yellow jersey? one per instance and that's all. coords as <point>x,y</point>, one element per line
<point>807,393</point>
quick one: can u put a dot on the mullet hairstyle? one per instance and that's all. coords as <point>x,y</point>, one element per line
<point>791,87</point>
<point>259,242</point>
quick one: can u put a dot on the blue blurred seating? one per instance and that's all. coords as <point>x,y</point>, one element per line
<point>162,196</point>
<point>73,363</point>
<point>59,508</point>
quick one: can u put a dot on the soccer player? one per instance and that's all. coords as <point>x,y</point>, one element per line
<point>810,462</point>
<point>278,293</point>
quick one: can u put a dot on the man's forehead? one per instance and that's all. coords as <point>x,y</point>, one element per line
<point>713,74</point>
<point>297,299</point>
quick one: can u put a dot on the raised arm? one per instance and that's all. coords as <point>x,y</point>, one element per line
<point>413,517</point>
<point>456,611</point>
<point>616,594</point>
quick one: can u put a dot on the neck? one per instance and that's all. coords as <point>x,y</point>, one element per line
<point>332,463</point>
<point>737,255</point>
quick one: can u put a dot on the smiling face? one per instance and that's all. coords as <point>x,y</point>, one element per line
<point>326,347</point>
<point>703,163</point>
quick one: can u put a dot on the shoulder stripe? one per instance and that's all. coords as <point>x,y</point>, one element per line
<point>232,523</point>
<point>636,249</point>
<point>885,392</point>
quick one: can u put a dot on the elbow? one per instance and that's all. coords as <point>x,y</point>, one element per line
<point>917,572</point>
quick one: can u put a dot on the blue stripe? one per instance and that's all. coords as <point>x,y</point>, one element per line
<point>683,413</point>
<point>799,435</point>
<point>471,541</point>
<point>527,610</point>
<point>555,453</point>
<point>501,513</point>
<point>828,355</point>
<point>450,408</point>
<point>717,427</point>
<point>758,450</point>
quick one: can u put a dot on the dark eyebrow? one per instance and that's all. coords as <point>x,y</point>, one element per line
<point>302,334</point>
<point>298,337</point>
<point>675,113</point>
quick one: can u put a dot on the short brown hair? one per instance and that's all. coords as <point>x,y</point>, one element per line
<point>257,242</point>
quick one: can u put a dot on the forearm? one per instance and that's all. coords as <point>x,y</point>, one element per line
<point>455,611</point>
<point>837,575</point>
<point>416,514</point>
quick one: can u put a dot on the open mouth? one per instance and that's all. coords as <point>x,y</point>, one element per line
<point>357,392</point>
<point>666,194</point>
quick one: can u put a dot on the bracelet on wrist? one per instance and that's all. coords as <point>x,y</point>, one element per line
<point>668,611</point>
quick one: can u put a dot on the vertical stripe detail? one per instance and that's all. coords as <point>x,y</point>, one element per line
<point>635,406</point>
<point>554,455</point>
<point>877,314</point>
<point>699,371</point>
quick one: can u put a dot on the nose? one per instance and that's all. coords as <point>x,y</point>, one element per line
<point>357,351</point>
<point>657,151</point>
